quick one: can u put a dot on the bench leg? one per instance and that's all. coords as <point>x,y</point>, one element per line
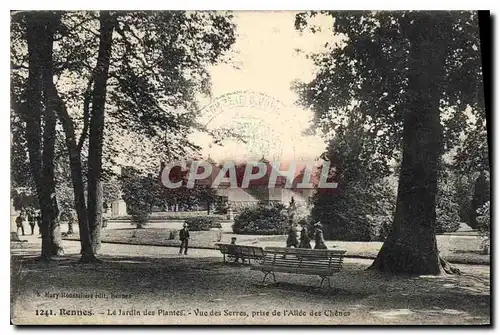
<point>266,274</point>
<point>323,279</point>
<point>224,255</point>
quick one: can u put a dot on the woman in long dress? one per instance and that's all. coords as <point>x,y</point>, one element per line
<point>292,241</point>
<point>305,240</point>
<point>318,237</point>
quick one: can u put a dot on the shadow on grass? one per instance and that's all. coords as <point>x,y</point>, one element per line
<point>352,280</point>
<point>314,290</point>
<point>206,280</point>
<point>475,252</point>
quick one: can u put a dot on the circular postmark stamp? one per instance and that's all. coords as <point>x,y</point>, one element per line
<point>250,125</point>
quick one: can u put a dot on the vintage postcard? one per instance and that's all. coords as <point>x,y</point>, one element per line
<point>249,168</point>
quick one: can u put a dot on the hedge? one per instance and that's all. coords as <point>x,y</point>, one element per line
<point>202,223</point>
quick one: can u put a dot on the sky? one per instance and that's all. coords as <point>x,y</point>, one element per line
<point>264,60</point>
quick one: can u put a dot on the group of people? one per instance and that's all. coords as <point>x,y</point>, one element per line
<point>292,241</point>
<point>34,218</point>
<point>305,239</point>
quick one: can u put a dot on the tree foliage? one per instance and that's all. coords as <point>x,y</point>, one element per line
<point>139,195</point>
<point>447,203</point>
<point>366,65</point>
<point>157,64</point>
<point>415,78</point>
<point>362,206</point>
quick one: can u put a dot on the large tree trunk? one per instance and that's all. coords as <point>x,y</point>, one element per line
<point>411,246</point>
<point>56,103</point>
<point>107,23</point>
<point>49,138</point>
<point>32,114</point>
<point>96,233</point>
<point>39,38</point>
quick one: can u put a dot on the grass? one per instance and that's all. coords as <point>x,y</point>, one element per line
<point>455,248</point>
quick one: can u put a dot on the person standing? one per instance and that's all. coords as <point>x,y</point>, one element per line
<point>32,221</point>
<point>318,236</point>
<point>292,241</point>
<point>20,223</point>
<point>39,222</point>
<point>305,240</point>
<point>184,237</point>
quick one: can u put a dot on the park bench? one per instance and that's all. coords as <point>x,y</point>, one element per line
<point>323,263</point>
<point>15,238</point>
<point>245,252</point>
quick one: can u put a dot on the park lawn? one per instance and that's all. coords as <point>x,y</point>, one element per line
<point>201,281</point>
<point>460,248</point>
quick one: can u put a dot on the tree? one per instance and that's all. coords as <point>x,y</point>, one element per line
<point>481,191</point>
<point>413,74</point>
<point>20,175</point>
<point>358,208</point>
<point>484,226</point>
<point>37,116</point>
<point>150,94</point>
<point>139,194</point>
<point>447,203</point>
<point>65,196</point>
<point>107,23</point>
<point>146,89</point>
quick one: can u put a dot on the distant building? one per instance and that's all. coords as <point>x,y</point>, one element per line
<point>258,189</point>
<point>117,208</point>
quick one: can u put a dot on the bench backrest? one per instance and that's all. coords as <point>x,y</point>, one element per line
<point>223,247</point>
<point>307,259</point>
<point>251,251</point>
<point>244,250</point>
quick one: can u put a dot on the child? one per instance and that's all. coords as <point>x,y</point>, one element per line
<point>233,251</point>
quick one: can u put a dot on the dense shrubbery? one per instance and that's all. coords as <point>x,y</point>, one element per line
<point>447,207</point>
<point>484,226</point>
<point>472,192</point>
<point>263,219</point>
<point>484,219</point>
<point>202,223</point>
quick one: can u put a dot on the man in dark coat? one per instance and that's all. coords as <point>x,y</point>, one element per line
<point>184,237</point>
<point>20,223</point>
